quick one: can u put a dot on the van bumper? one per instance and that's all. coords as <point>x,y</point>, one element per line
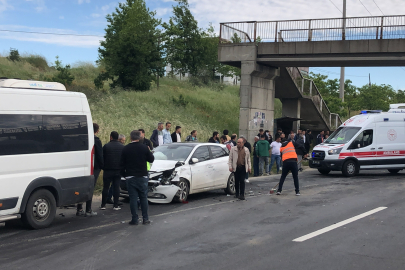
<point>333,165</point>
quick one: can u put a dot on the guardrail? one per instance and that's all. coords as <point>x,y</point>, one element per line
<point>354,28</point>
<point>308,88</point>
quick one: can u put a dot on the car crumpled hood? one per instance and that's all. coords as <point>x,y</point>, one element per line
<point>163,165</point>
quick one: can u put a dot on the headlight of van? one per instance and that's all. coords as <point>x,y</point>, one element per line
<point>335,151</point>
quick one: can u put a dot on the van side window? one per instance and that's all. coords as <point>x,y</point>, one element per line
<point>364,139</point>
<point>33,134</point>
<point>21,134</point>
<point>64,133</point>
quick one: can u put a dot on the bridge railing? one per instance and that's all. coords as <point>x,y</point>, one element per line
<point>308,88</point>
<point>354,28</point>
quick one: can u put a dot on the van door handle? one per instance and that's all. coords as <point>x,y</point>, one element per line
<point>372,149</point>
<point>380,148</point>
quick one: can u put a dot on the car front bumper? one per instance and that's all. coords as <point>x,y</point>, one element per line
<point>333,165</point>
<point>159,194</point>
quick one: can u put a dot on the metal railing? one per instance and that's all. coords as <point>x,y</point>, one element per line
<point>308,89</point>
<point>355,28</point>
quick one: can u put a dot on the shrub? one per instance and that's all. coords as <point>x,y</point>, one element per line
<point>180,101</point>
<point>37,61</point>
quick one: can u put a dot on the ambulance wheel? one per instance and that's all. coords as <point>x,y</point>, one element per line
<point>350,168</point>
<point>324,171</point>
<point>394,171</point>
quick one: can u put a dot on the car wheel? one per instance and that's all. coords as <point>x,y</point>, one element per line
<point>324,171</point>
<point>40,210</point>
<point>394,171</point>
<point>350,168</point>
<point>182,194</point>
<point>230,187</point>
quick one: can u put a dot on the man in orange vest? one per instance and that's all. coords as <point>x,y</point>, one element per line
<point>290,158</point>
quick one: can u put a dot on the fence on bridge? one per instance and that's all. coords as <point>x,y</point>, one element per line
<point>355,28</point>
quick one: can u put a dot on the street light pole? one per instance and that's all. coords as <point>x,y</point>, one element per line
<point>342,69</point>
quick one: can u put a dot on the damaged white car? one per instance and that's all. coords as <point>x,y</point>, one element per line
<point>181,169</point>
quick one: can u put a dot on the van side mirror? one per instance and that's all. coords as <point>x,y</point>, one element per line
<point>194,160</point>
<point>356,144</point>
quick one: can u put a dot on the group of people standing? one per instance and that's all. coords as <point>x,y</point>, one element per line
<point>119,160</point>
<point>161,136</point>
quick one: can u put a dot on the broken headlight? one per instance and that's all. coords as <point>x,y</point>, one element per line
<point>165,177</point>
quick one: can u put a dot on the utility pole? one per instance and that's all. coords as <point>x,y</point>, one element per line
<point>342,69</point>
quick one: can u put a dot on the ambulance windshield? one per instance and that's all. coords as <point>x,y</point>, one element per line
<point>342,135</point>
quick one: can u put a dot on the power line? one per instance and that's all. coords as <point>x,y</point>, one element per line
<point>365,8</point>
<point>336,73</point>
<point>336,6</point>
<point>49,33</point>
<point>379,8</point>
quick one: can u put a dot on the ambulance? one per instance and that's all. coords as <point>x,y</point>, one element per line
<point>373,140</point>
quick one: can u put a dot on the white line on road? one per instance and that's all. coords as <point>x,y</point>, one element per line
<point>337,225</point>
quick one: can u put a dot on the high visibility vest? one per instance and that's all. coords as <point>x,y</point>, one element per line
<point>288,151</point>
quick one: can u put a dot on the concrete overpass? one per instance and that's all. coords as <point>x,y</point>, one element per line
<point>266,51</point>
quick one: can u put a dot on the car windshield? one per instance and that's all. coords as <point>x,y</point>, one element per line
<point>177,152</point>
<point>342,135</point>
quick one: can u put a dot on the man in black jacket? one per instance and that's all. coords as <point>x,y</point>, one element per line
<point>214,138</point>
<point>157,136</point>
<point>144,140</point>
<point>112,154</point>
<point>300,150</point>
<point>98,166</point>
<point>133,167</point>
<point>176,136</point>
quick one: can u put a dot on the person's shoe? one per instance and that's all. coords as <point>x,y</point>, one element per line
<point>102,207</point>
<point>246,181</point>
<point>278,193</point>
<point>133,222</point>
<point>242,198</point>
<point>109,201</point>
<point>146,222</point>
<point>90,214</point>
<point>117,208</point>
<point>297,194</point>
<point>80,213</point>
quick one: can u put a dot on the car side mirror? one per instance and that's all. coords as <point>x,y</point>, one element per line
<point>194,160</point>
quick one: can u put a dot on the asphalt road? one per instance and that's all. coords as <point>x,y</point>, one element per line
<point>213,231</point>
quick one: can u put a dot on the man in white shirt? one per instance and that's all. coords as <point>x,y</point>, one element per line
<point>167,137</point>
<point>275,153</point>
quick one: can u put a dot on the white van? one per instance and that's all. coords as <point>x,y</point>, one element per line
<point>46,150</point>
<point>369,141</point>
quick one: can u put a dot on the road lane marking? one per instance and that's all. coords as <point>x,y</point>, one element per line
<point>337,225</point>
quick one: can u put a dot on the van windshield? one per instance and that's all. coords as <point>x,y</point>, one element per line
<point>342,135</point>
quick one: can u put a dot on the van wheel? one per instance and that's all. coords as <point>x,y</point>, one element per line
<point>350,168</point>
<point>230,187</point>
<point>324,171</point>
<point>394,171</point>
<point>182,194</point>
<point>40,210</point>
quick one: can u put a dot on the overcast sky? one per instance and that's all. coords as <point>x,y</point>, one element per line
<point>87,17</point>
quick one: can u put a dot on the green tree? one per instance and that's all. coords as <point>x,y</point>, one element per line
<point>14,55</point>
<point>376,97</point>
<point>351,97</point>
<point>64,75</point>
<point>183,41</point>
<point>400,96</point>
<point>131,51</point>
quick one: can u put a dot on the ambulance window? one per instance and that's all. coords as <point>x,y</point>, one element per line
<point>364,139</point>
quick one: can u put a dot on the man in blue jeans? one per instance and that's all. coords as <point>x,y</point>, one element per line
<point>134,168</point>
<point>275,153</point>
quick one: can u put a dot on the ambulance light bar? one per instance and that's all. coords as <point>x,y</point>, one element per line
<point>371,111</point>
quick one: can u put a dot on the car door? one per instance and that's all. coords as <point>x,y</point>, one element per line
<point>201,172</point>
<point>364,149</point>
<point>220,166</point>
<point>390,145</point>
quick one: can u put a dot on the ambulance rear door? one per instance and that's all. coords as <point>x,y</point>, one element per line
<point>390,144</point>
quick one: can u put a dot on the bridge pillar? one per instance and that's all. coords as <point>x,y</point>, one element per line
<point>292,108</point>
<point>257,94</point>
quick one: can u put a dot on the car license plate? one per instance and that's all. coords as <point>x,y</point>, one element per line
<point>316,162</point>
